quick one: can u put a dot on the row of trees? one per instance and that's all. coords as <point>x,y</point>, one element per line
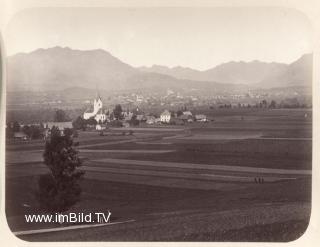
<point>32,131</point>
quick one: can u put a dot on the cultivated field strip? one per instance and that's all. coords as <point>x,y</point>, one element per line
<point>208,177</point>
<point>204,166</point>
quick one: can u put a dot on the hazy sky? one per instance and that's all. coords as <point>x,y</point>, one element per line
<point>199,38</point>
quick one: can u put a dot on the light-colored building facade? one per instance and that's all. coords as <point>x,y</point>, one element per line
<point>165,116</point>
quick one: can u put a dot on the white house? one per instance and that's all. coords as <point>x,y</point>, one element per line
<point>101,127</point>
<point>165,116</point>
<point>97,112</point>
<point>201,118</point>
<point>187,113</point>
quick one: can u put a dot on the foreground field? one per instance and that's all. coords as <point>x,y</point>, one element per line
<point>197,182</point>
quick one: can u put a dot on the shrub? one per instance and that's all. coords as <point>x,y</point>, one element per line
<point>60,189</point>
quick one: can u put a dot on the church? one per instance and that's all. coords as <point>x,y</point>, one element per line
<point>97,112</point>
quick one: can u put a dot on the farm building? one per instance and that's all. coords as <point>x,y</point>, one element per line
<point>201,118</point>
<point>101,127</point>
<point>165,116</point>
<point>187,113</point>
<point>60,125</point>
<point>151,120</point>
<point>20,136</point>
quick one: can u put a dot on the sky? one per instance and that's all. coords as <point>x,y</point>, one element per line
<point>199,38</point>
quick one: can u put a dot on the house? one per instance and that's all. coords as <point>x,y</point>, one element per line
<point>141,117</point>
<point>151,120</point>
<point>157,121</point>
<point>60,125</point>
<point>125,125</point>
<point>184,118</point>
<point>127,115</point>
<point>100,127</point>
<point>20,136</point>
<point>165,116</point>
<point>187,113</point>
<point>201,118</point>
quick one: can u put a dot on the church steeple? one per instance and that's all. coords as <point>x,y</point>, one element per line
<point>97,93</point>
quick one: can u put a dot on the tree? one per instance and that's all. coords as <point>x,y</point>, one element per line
<point>32,131</point>
<point>134,121</point>
<point>27,130</point>
<point>60,116</point>
<point>79,124</point>
<point>68,131</point>
<point>264,103</point>
<point>9,131</point>
<point>179,113</point>
<point>117,112</point>
<point>272,104</point>
<point>60,189</point>
<point>91,121</point>
<point>16,126</point>
<point>35,132</point>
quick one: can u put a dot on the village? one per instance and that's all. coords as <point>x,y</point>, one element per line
<point>98,118</point>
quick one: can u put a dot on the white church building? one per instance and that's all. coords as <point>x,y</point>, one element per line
<point>97,112</point>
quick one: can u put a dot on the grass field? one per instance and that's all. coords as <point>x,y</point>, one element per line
<point>201,175</point>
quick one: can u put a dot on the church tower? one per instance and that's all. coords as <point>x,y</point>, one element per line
<point>97,105</point>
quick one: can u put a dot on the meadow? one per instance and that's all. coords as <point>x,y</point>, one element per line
<point>196,182</point>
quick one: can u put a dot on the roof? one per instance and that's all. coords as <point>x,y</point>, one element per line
<point>166,112</point>
<point>184,117</point>
<point>59,125</point>
<point>19,135</point>
<point>89,109</point>
<point>187,113</point>
<point>199,116</point>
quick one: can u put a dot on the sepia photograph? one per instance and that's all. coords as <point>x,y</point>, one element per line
<point>172,124</point>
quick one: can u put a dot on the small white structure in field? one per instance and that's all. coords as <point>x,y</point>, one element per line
<point>165,116</point>
<point>201,118</point>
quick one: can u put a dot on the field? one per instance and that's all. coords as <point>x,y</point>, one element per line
<point>196,182</point>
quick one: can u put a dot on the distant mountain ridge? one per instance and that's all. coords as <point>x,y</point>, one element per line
<point>59,68</point>
<point>250,73</point>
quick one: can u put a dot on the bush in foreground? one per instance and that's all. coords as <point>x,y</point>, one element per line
<point>60,189</point>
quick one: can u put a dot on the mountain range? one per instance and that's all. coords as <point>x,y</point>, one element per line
<point>59,68</point>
